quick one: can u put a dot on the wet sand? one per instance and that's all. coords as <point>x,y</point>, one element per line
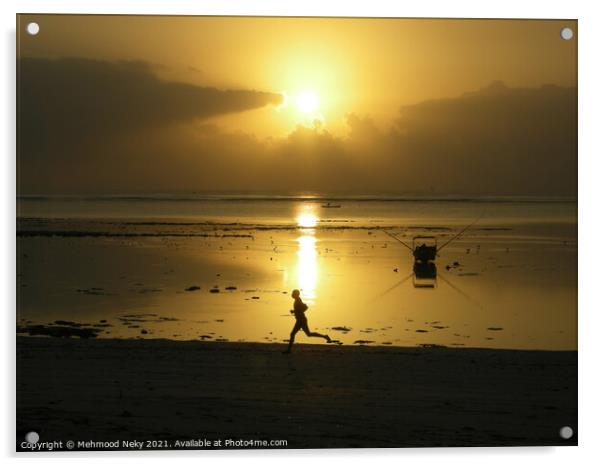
<point>318,397</point>
<point>496,289</point>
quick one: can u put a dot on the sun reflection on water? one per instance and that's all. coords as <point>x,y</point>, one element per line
<point>307,219</point>
<point>307,266</point>
<point>307,263</point>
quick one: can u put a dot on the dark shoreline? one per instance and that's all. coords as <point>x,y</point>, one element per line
<point>320,396</point>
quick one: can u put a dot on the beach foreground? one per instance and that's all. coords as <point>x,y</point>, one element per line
<point>317,397</point>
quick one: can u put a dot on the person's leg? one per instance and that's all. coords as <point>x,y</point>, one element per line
<point>291,340</point>
<point>305,328</point>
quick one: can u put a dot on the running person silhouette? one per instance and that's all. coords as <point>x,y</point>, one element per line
<point>298,310</point>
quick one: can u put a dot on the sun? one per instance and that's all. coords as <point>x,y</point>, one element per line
<point>307,102</point>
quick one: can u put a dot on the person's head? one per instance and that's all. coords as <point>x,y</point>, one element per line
<point>295,294</point>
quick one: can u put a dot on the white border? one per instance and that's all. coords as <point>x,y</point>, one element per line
<point>590,193</point>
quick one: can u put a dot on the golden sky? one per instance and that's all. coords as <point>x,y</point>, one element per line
<point>326,68</point>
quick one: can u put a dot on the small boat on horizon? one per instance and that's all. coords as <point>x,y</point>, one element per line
<point>329,205</point>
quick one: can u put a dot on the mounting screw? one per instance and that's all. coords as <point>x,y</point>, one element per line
<point>566,432</point>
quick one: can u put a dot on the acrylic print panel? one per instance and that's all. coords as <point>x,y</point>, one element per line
<point>246,232</point>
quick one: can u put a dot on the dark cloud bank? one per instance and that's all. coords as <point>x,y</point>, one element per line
<point>98,127</point>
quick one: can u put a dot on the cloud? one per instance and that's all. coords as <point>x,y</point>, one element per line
<point>65,102</point>
<point>496,141</point>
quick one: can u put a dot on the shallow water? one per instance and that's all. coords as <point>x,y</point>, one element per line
<point>129,262</point>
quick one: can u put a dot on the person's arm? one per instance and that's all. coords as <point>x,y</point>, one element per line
<point>299,307</point>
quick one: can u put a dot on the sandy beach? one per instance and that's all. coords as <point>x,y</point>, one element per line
<point>318,397</point>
